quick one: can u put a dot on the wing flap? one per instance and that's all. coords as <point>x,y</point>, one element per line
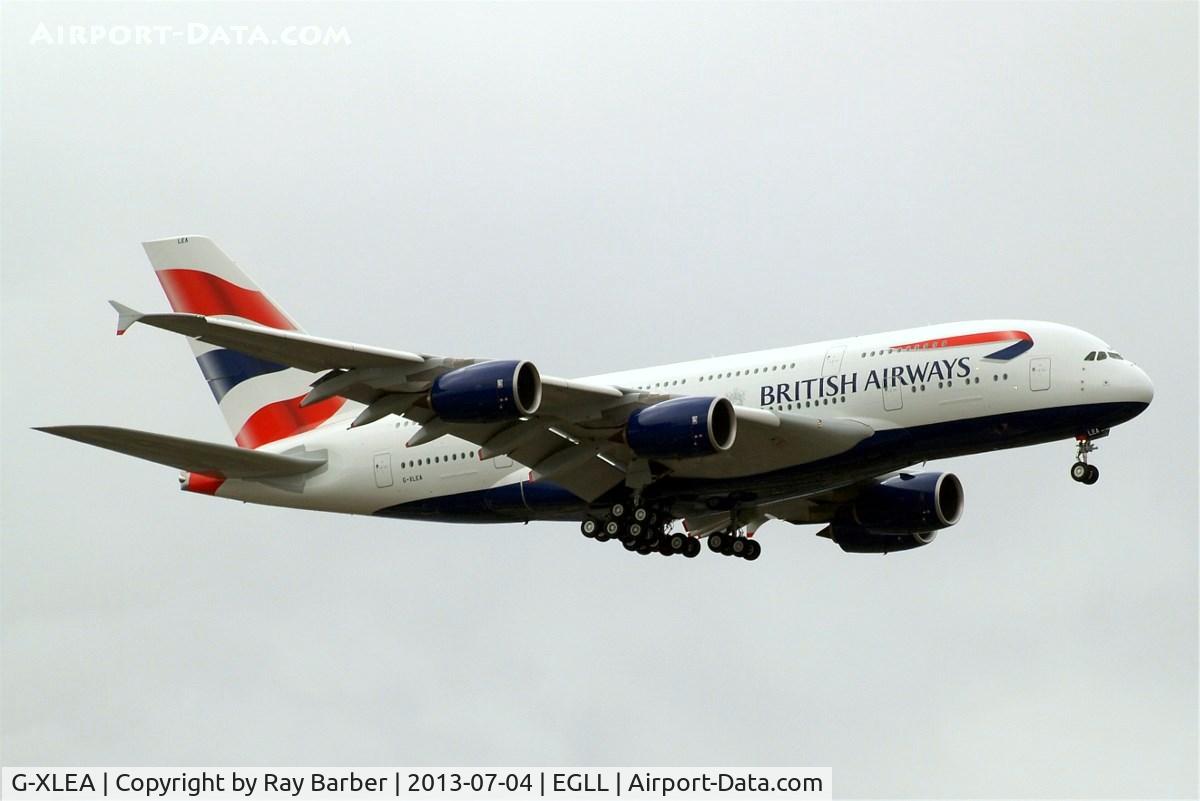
<point>194,456</point>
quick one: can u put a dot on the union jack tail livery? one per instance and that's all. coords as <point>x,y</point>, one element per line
<point>260,399</point>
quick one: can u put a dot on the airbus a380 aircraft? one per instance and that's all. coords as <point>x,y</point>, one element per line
<point>819,433</point>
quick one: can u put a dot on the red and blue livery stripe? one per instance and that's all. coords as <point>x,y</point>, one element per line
<point>195,292</point>
<point>285,418</point>
<point>198,292</point>
<point>224,369</point>
<point>1020,342</point>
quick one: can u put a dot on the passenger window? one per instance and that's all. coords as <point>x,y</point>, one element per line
<point>1091,357</point>
<point>1101,356</point>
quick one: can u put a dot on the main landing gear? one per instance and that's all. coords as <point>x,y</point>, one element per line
<point>1081,471</point>
<point>729,543</point>
<point>641,529</point>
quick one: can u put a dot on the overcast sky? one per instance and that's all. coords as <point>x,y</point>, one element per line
<point>596,188</point>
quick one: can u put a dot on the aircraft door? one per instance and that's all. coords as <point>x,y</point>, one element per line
<point>893,399</point>
<point>383,470</point>
<point>1039,373</point>
<point>833,361</point>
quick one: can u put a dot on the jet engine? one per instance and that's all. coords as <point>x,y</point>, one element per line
<point>682,428</point>
<point>908,503</point>
<point>897,514</point>
<point>488,392</point>
<point>853,539</point>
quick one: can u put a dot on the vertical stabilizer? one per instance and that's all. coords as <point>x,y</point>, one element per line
<point>259,399</point>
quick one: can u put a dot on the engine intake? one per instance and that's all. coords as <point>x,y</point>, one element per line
<point>488,392</point>
<point>907,504</point>
<point>682,428</point>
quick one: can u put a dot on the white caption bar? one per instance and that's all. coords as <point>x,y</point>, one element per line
<point>416,783</point>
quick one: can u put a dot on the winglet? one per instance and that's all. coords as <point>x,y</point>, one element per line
<point>125,316</point>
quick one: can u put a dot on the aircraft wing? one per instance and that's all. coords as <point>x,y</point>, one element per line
<point>270,344</point>
<point>573,439</point>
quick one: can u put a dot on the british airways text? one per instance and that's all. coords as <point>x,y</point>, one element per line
<point>880,378</point>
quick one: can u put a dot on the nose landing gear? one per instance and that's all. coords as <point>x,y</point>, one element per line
<point>1081,471</point>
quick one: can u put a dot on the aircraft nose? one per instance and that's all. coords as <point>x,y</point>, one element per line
<point>1141,388</point>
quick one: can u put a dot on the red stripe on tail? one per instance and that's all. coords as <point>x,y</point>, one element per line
<point>285,418</point>
<point>195,292</point>
<point>205,485</point>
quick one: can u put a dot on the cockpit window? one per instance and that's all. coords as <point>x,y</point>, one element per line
<point>1115,355</point>
<point>1101,356</point>
<point>1091,357</point>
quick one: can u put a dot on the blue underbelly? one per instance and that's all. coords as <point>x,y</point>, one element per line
<point>882,452</point>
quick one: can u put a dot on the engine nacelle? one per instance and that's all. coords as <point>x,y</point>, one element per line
<point>488,392</point>
<point>908,504</point>
<point>682,428</point>
<point>853,539</point>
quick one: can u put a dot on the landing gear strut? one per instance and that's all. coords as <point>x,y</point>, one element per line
<point>1081,471</point>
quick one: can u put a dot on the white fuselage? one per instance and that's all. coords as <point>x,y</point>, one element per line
<point>865,378</point>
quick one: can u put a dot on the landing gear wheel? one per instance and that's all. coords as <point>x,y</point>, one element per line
<point>1080,471</point>
<point>753,550</point>
<point>630,544</point>
<point>692,548</point>
<point>590,527</point>
<point>677,543</point>
<point>1093,475</point>
<point>635,530</point>
<point>716,542</point>
<point>739,546</point>
<point>611,529</point>
<point>617,510</point>
<point>641,514</point>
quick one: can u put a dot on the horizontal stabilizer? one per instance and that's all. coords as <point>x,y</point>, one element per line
<point>194,456</point>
